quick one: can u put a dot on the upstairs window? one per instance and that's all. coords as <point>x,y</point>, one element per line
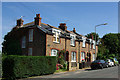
<point>30,35</point>
<point>83,43</point>
<point>90,43</point>
<point>93,44</point>
<point>56,35</point>
<point>23,42</point>
<point>73,57</point>
<point>72,41</point>
<point>54,52</point>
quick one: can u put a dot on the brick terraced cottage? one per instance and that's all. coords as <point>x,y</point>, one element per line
<point>40,39</point>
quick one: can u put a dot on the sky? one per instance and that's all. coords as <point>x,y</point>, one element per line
<point>83,16</point>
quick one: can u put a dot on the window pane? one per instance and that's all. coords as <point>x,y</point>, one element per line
<point>56,36</point>
<point>54,52</point>
<point>73,56</point>
<point>30,35</point>
<point>23,41</point>
<point>30,51</point>
<point>82,56</point>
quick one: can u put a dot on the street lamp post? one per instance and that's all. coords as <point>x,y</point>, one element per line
<point>95,34</point>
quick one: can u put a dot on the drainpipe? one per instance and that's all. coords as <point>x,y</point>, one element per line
<point>79,53</point>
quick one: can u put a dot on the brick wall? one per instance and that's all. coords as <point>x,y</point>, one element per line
<point>51,45</point>
<point>38,44</point>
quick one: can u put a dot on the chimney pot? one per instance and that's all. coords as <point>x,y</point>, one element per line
<point>38,20</point>
<point>37,15</point>
<point>74,30</point>
<point>63,26</point>
<point>20,22</point>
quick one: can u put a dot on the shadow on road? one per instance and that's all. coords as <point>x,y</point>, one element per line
<point>90,69</point>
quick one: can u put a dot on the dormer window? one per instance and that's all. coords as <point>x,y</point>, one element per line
<point>56,36</point>
<point>84,39</point>
<point>93,44</point>
<point>90,43</point>
<point>72,42</point>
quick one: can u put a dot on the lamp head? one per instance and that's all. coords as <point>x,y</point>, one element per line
<point>105,23</point>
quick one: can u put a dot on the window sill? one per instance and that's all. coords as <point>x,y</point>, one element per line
<point>56,42</point>
<point>53,55</point>
<point>72,45</point>
<point>73,61</point>
<point>83,47</point>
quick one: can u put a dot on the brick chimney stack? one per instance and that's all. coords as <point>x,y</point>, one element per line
<point>37,20</point>
<point>74,30</point>
<point>63,26</point>
<point>20,22</point>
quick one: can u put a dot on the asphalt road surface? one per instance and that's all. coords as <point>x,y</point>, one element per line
<point>111,72</point>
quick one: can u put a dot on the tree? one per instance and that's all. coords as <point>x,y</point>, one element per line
<point>110,46</point>
<point>11,43</point>
<point>93,34</point>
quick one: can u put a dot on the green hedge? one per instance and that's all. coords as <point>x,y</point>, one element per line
<point>25,66</point>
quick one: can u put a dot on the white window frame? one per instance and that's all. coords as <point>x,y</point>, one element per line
<point>94,57</point>
<point>73,57</point>
<point>90,43</point>
<point>24,42</point>
<point>72,41</point>
<point>56,35</point>
<point>30,51</point>
<point>84,42</point>
<point>30,35</point>
<point>82,55</point>
<point>54,52</point>
<point>93,44</point>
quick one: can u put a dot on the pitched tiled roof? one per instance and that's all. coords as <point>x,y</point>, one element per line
<point>45,28</point>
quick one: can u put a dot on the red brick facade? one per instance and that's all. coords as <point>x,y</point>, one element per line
<point>43,43</point>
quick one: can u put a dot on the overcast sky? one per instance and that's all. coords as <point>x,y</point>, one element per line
<point>80,15</point>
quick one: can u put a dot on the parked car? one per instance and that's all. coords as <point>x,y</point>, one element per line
<point>110,62</point>
<point>115,61</point>
<point>98,64</point>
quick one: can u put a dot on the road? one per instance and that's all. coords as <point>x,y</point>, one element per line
<point>111,72</point>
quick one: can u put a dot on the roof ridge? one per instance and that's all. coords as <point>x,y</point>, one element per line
<point>27,24</point>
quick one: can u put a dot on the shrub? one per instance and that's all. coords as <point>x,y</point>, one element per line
<point>25,66</point>
<point>65,66</point>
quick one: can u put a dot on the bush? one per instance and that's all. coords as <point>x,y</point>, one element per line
<point>25,66</point>
<point>65,66</point>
